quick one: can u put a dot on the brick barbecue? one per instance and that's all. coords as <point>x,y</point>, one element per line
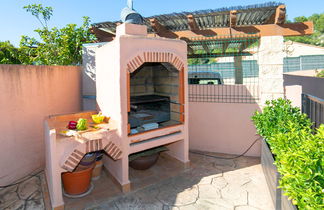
<point>141,82</point>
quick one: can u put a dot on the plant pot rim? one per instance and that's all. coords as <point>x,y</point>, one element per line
<point>79,172</point>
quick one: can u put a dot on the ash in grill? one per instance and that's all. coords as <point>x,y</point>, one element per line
<point>154,89</point>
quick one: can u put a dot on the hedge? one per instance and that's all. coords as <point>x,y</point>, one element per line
<point>298,151</point>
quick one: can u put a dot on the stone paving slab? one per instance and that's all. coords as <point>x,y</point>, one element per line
<point>26,195</point>
<point>210,183</point>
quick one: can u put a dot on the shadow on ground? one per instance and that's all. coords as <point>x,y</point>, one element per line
<point>210,183</point>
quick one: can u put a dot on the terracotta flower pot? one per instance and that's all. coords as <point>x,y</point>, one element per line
<point>76,183</point>
<point>144,162</point>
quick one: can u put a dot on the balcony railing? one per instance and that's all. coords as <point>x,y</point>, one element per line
<point>314,108</point>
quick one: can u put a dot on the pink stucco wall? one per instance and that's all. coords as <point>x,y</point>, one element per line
<point>28,95</point>
<point>294,94</point>
<point>114,61</point>
<point>222,127</point>
<point>309,83</point>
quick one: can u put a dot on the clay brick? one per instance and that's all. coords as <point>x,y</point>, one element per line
<point>78,152</point>
<point>68,163</point>
<point>108,145</point>
<point>111,151</point>
<point>76,156</point>
<point>140,59</point>
<point>73,160</point>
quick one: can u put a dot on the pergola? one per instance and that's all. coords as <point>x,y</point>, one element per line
<point>210,33</point>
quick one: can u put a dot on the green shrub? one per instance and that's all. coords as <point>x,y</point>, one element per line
<point>301,167</point>
<point>320,73</point>
<point>298,152</point>
<point>277,117</point>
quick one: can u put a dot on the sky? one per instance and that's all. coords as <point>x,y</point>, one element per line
<point>15,21</point>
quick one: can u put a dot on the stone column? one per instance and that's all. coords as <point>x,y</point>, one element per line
<point>270,59</point>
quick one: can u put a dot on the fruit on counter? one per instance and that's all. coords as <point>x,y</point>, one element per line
<point>72,125</point>
<point>98,118</point>
<point>82,124</point>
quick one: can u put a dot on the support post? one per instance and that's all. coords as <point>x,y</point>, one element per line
<point>280,16</point>
<point>157,27</point>
<point>233,17</point>
<point>238,69</point>
<point>192,23</point>
<point>270,68</point>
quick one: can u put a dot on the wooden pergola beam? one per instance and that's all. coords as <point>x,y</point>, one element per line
<point>215,55</point>
<point>192,23</point>
<point>286,29</point>
<point>161,30</point>
<point>157,27</point>
<point>280,15</point>
<point>103,36</point>
<point>280,9</point>
<point>233,18</point>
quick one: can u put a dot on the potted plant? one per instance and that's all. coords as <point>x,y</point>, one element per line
<point>78,182</point>
<point>291,156</point>
<point>145,159</point>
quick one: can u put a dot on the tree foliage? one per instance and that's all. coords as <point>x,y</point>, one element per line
<point>317,38</point>
<point>55,46</point>
<point>8,53</point>
<point>43,14</point>
<point>298,151</point>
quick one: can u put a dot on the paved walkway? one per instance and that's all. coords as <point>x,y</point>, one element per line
<point>209,184</point>
<point>27,195</point>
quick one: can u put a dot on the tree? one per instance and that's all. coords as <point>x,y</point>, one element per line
<point>57,46</point>
<point>8,53</point>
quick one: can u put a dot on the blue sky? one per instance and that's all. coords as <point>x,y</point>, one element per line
<point>16,22</point>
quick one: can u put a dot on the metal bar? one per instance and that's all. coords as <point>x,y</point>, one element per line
<point>89,97</point>
<point>316,99</point>
<point>313,107</point>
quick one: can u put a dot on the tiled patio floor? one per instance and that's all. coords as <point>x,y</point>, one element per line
<point>26,195</point>
<point>209,184</point>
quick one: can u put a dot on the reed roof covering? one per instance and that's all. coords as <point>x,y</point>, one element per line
<point>257,14</point>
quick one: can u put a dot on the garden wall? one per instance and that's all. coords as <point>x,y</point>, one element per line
<point>223,127</point>
<point>28,94</point>
<point>306,79</point>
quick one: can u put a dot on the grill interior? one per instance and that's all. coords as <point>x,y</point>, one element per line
<point>154,97</point>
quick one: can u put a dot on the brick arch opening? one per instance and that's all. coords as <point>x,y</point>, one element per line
<point>150,57</point>
<point>111,148</point>
<point>155,76</point>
